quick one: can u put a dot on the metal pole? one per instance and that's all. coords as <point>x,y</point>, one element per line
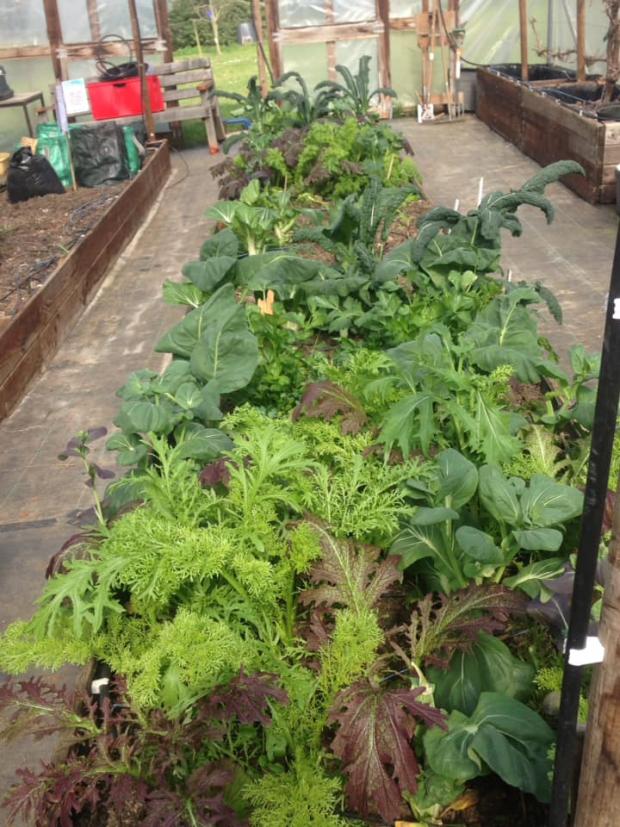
<point>603,433</point>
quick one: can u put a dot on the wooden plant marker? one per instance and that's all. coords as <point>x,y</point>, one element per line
<point>266,305</point>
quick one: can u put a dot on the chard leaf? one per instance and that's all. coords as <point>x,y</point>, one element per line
<point>207,275</point>
<point>196,442</point>
<point>488,666</point>
<point>503,735</point>
<point>131,449</point>
<point>145,417</point>
<point>478,546</point>
<point>458,478</point>
<point>539,539</point>
<point>180,292</point>
<point>499,496</point>
<point>531,578</point>
<point>547,502</point>
<point>223,243</point>
<point>226,352</point>
<point>416,542</point>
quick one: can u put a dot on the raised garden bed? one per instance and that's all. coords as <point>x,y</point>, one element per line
<point>543,120</point>
<point>30,338</point>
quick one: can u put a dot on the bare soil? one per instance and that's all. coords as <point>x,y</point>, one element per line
<point>36,235</point>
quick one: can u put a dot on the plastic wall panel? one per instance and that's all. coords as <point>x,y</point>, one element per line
<point>406,67</point>
<point>405,8</point>
<point>22,23</point>
<point>294,15</point>
<point>113,18</point>
<point>310,60</point>
<point>565,27</point>
<point>24,76</point>
<point>361,11</point>
<point>349,52</point>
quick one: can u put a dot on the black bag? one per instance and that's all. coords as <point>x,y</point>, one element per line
<point>99,154</point>
<point>31,175</point>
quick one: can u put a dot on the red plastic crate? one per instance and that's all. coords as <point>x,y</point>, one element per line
<point>123,98</point>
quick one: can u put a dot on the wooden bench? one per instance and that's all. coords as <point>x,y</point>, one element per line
<point>196,71</point>
<point>190,81</point>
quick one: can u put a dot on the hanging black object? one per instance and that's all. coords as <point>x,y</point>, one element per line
<point>115,71</point>
<point>5,90</point>
<point>30,176</point>
<point>603,433</point>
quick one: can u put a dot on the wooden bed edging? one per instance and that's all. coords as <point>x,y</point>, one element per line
<point>31,339</point>
<point>547,131</point>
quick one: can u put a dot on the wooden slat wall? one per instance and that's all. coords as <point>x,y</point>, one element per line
<point>34,335</point>
<point>547,132</point>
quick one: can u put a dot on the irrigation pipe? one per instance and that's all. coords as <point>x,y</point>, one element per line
<point>603,433</point>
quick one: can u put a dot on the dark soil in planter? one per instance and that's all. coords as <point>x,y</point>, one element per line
<point>584,96</point>
<point>36,234</point>
<point>499,805</point>
<point>536,72</point>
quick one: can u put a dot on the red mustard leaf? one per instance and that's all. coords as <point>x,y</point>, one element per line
<point>325,400</point>
<point>375,729</point>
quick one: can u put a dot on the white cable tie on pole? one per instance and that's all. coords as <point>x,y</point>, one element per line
<point>592,652</point>
<point>95,687</point>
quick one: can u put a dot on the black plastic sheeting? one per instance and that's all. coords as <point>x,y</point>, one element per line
<point>30,176</point>
<point>99,155</point>
<point>536,71</point>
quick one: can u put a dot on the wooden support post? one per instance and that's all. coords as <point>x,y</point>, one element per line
<point>257,14</point>
<point>54,35</point>
<point>385,66</point>
<point>598,803</point>
<point>164,30</point>
<point>273,29</point>
<point>137,45</point>
<point>523,24</point>
<point>93,20</point>
<point>581,39</point>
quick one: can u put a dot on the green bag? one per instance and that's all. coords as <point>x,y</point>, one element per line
<point>133,156</point>
<point>53,145</point>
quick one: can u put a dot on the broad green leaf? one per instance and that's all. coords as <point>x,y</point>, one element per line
<point>488,666</point>
<point>131,449</point>
<point>503,735</point>
<point>209,408</point>
<point>415,542</point>
<point>547,502</point>
<point>530,579</point>
<point>458,478</point>
<point>180,292</point>
<point>183,337</point>
<point>498,495</point>
<point>174,376</point>
<point>207,275</point>
<point>448,753</point>
<point>478,546</point>
<point>138,385</point>
<point>145,417</point>
<point>188,395</point>
<point>539,539</point>
<point>224,243</point>
<point>223,212</point>
<point>432,516</point>
<point>203,443</point>
<point>227,351</point>
<point>506,333</point>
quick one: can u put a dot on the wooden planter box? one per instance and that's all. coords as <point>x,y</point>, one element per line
<point>547,131</point>
<point>32,337</point>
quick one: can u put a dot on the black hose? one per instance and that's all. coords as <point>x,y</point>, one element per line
<point>603,433</point>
